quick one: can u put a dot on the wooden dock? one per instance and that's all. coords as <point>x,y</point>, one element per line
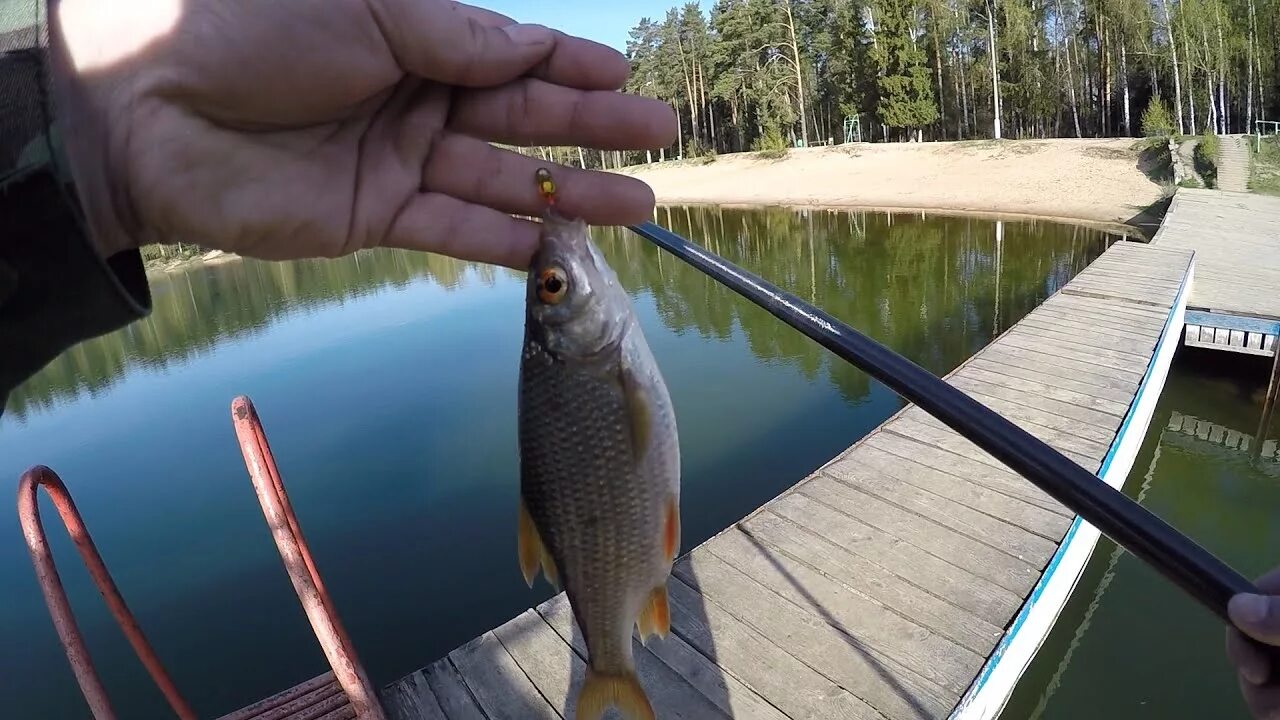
<point>1234,304</point>
<point>907,577</point>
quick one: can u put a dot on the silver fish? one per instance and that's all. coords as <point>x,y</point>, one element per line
<point>599,462</point>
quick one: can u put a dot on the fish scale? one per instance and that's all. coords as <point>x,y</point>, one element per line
<point>579,437</point>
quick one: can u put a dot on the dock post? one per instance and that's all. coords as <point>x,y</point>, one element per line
<point>1269,402</point>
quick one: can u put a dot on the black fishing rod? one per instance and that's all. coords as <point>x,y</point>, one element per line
<point>1188,565</point>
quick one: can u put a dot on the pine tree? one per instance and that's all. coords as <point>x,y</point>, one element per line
<point>945,69</point>
<point>906,88</point>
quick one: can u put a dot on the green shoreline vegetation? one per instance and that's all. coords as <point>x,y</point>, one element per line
<point>1265,166</point>
<point>170,257</point>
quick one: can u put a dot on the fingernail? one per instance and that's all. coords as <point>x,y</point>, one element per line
<point>528,34</point>
<point>1254,674</point>
<point>1250,608</point>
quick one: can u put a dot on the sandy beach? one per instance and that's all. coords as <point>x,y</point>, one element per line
<point>1096,180</point>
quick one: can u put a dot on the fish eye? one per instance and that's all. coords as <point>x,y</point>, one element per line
<point>552,285</point>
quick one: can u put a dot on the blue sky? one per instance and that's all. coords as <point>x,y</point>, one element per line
<point>605,21</point>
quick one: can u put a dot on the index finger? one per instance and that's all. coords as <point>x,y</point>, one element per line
<point>575,62</point>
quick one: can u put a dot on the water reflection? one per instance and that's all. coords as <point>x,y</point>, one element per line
<point>932,288</point>
<point>195,309</point>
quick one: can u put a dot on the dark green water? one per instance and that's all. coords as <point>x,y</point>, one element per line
<point>386,382</point>
<point>1128,643</point>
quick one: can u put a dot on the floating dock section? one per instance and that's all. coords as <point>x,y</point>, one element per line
<point>1235,302</point>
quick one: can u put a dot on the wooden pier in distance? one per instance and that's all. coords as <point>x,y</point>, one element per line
<point>912,576</point>
<point>1235,300</point>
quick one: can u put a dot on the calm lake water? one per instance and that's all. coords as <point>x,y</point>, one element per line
<point>1129,644</point>
<point>386,382</point>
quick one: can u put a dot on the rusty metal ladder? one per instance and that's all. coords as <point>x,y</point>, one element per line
<point>341,694</point>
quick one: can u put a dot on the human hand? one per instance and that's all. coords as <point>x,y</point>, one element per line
<point>297,128</point>
<point>1257,617</point>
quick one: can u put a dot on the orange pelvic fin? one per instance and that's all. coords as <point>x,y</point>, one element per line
<point>532,553</point>
<point>655,616</point>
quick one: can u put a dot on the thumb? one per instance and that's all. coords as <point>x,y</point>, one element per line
<point>458,44</point>
<point>1257,616</point>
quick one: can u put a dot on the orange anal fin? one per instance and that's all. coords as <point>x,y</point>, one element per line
<point>655,616</point>
<point>623,692</point>
<point>549,570</point>
<point>531,550</point>
<point>644,626</point>
<point>671,530</point>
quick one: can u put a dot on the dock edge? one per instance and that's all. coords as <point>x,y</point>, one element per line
<point>991,689</point>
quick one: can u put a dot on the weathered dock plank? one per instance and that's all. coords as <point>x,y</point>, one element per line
<point>496,681</point>
<point>885,482</point>
<point>319,696</point>
<point>927,534</point>
<point>901,473</point>
<point>880,586</point>
<point>1077,326</point>
<point>915,565</point>
<point>814,633</point>
<point>778,676</point>
<point>1130,349</point>
<point>1100,360</point>
<point>1068,411</point>
<point>455,700</point>
<point>873,581</point>
<point>1008,372</point>
<point>946,450</point>
<point>1043,386</point>
<point>984,472</point>
<point>1052,363</point>
<point>544,656</point>
<point>411,698</point>
<point>921,425</point>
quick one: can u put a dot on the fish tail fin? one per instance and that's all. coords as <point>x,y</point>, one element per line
<point>623,692</point>
<point>533,554</point>
<point>655,616</point>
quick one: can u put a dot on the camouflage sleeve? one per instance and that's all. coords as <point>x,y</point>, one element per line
<point>55,290</point>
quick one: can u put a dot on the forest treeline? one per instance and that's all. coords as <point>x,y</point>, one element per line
<point>764,74</point>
